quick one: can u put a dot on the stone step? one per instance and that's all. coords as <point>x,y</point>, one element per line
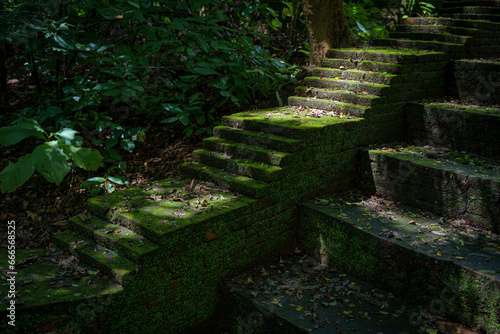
<point>420,45</point>
<point>303,124</point>
<point>107,261</point>
<point>475,16</point>
<point>448,183</point>
<point>362,65</point>
<point>425,36</point>
<point>439,21</point>
<point>458,127</point>
<point>341,109</point>
<point>338,95</point>
<point>468,3</point>
<point>347,85</point>
<point>297,294</point>
<point>265,138</point>
<point>354,75</point>
<point>166,211</point>
<point>237,183</point>
<point>386,55</point>
<point>255,170</point>
<point>436,29</point>
<point>470,9</point>
<point>248,152</point>
<point>51,281</point>
<point>444,266</point>
<point>114,237</point>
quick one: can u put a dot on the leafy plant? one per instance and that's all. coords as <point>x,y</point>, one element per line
<point>107,183</point>
<point>361,20</point>
<point>419,7</point>
<point>53,159</point>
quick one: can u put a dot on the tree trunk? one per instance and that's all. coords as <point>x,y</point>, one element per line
<point>327,26</point>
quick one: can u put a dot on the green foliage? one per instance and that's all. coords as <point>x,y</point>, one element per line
<point>419,7</point>
<point>361,20</point>
<point>52,159</point>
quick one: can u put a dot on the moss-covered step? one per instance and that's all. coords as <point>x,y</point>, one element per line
<point>356,87</point>
<point>362,65</point>
<point>238,183</point>
<point>471,10</point>
<point>248,152</point>
<point>421,45</point>
<point>441,21</point>
<point>114,237</point>
<point>477,80</point>
<point>436,29</point>
<point>339,95</point>
<point>106,260</point>
<point>469,3</point>
<point>458,127</point>
<point>296,123</point>
<point>354,75</point>
<point>267,137</point>
<point>49,283</point>
<point>448,268</point>
<point>245,167</point>
<point>445,182</point>
<point>386,55</point>
<point>438,37</point>
<point>329,107</point>
<point>298,294</point>
<point>169,211</point>
<point>475,16</point>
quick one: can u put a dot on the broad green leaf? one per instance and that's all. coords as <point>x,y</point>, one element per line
<point>118,180</point>
<point>111,142</point>
<point>63,43</point>
<point>127,144</point>
<point>109,187</point>
<point>92,182</point>
<point>184,119</point>
<point>15,175</point>
<point>50,160</point>
<point>84,157</point>
<point>24,128</point>
<point>204,71</point>
<point>69,137</point>
<point>169,120</point>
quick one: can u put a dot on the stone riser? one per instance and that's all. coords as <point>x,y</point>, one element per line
<point>480,3</point>
<point>490,27</point>
<point>350,239</point>
<point>471,10</point>
<point>444,192</point>
<point>338,95</point>
<point>354,75</point>
<point>366,65</point>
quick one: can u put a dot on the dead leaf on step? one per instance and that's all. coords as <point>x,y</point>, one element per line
<point>60,223</point>
<point>211,235</point>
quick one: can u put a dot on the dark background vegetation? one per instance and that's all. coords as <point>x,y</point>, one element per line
<point>99,94</point>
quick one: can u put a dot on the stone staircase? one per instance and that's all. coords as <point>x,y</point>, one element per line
<point>423,227</point>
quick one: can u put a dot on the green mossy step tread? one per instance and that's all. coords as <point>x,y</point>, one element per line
<point>334,108</point>
<point>470,9</point>
<point>237,183</point>
<point>297,294</point>
<point>422,45</point>
<point>347,85</point>
<point>338,95</point>
<point>415,255</point>
<point>449,183</point>
<point>386,54</point>
<point>474,16</point>
<point>164,210</point>
<point>436,37</point>
<point>492,113</point>
<point>295,123</point>
<point>114,237</point>
<point>354,74</point>
<point>248,152</point>
<point>50,277</point>
<point>106,260</point>
<point>265,138</point>
<point>437,29</point>
<point>491,26</point>
<point>255,170</point>
<point>363,65</point>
